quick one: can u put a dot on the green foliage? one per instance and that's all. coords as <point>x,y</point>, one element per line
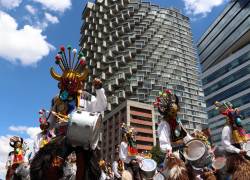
<point>157,154</point>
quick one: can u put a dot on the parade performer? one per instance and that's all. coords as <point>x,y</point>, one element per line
<point>71,98</point>
<point>45,135</point>
<point>233,138</point>
<point>170,130</point>
<point>128,151</point>
<point>118,167</point>
<point>16,157</point>
<point>107,173</point>
<point>233,133</point>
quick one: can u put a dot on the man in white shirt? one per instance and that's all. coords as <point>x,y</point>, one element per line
<point>115,167</point>
<point>128,153</point>
<point>228,143</point>
<point>170,130</point>
<point>70,98</point>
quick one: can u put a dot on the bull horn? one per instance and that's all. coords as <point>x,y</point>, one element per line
<point>54,74</point>
<point>84,75</point>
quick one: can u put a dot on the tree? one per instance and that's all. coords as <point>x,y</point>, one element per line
<point>157,154</point>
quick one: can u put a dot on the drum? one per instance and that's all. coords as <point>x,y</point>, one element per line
<point>148,168</point>
<point>127,175</point>
<point>246,147</point>
<point>83,129</point>
<point>159,176</point>
<point>22,170</point>
<point>196,152</point>
<point>219,163</point>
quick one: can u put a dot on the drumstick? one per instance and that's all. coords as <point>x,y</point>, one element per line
<point>60,116</point>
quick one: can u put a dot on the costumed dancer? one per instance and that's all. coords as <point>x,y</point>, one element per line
<point>118,166</point>
<point>72,97</point>
<point>45,135</point>
<point>107,173</point>
<point>128,151</point>
<point>233,138</point>
<point>233,133</point>
<point>170,130</point>
<point>16,157</point>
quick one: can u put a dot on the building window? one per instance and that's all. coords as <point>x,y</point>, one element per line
<point>240,60</point>
<point>229,92</point>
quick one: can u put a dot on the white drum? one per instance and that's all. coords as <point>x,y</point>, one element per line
<point>219,163</point>
<point>246,147</point>
<point>159,176</point>
<point>83,129</point>
<point>196,152</point>
<point>148,168</point>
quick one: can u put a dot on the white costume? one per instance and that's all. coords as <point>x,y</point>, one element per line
<point>123,153</point>
<point>227,140</point>
<point>115,169</point>
<point>164,134</point>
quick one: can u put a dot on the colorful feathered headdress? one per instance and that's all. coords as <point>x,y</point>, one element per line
<point>165,100</point>
<point>234,117</point>
<point>74,69</point>
<point>43,116</point>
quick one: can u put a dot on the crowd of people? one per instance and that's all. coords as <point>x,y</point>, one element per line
<point>67,146</point>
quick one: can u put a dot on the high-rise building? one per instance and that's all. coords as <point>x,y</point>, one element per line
<point>135,114</point>
<point>139,49</point>
<point>224,51</point>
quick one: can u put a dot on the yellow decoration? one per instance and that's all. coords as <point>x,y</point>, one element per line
<point>238,138</point>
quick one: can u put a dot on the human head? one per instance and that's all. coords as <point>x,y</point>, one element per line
<point>167,104</point>
<point>73,73</point>
<point>16,142</point>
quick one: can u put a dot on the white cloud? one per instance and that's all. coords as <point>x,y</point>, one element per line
<point>51,18</point>
<point>27,45</point>
<point>31,9</point>
<point>4,142</point>
<point>202,7</point>
<point>55,5</point>
<point>10,4</point>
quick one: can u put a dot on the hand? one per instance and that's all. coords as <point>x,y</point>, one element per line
<point>243,152</point>
<point>168,153</point>
<point>97,83</point>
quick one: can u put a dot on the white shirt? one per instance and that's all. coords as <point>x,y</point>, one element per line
<point>164,136</point>
<point>97,104</point>
<point>115,169</point>
<point>227,141</point>
<point>123,152</point>
<point>103,176</point>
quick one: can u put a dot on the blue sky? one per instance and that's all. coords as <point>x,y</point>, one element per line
<point>31,32</point>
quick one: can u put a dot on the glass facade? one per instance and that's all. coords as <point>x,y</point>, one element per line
<point>224,52</point>
<point>147,49</point>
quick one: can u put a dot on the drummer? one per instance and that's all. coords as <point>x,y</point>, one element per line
<point>72,97</point>
<point>128,152</point>
<point>233,134</point>
<point>170,130</point>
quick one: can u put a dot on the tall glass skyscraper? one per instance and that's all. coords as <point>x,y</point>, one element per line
<point>224,51</point>
<point>138,49</point>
